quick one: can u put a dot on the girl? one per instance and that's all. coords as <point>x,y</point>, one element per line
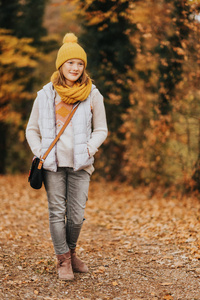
<point>68,167</point>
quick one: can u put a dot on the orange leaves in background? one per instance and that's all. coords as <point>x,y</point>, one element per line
<point>15,55</point>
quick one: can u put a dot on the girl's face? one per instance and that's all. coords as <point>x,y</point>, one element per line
<point>72,70</point>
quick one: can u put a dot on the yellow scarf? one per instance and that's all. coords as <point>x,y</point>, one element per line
<point>71,95</point>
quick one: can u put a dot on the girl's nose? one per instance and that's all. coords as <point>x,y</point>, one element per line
<point>75,66</point>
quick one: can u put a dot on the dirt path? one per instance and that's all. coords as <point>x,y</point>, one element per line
<point>135,247</point>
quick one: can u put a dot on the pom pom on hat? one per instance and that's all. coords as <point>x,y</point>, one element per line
<point>70,38</point>
<point>69,50</point>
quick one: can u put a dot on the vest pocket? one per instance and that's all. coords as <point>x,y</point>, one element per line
<point>82,158</point>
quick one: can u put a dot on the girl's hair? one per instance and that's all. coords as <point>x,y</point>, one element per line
<point>60,79</point>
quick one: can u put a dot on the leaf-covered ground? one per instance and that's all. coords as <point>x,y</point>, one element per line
<point>136,247</point>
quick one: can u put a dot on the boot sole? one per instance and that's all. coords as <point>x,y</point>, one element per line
<point>66,279</point>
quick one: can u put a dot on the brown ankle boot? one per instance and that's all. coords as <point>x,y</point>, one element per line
<point>64,266</point>
<point>77,264</point>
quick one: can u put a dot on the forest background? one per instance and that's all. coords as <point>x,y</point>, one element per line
<point>144,56</point>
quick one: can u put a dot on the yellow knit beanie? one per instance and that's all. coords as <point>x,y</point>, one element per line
<point>69,50</point>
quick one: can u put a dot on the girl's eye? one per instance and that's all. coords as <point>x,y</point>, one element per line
<point>71,63</point>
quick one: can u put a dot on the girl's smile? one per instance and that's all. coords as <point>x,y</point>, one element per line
<point>72,70</point>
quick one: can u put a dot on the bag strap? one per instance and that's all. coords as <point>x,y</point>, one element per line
<point>58,135</point>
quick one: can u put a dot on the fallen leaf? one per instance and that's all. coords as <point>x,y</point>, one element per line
<point>167,297</point>
<point>197,270</point>
<point>166,283</point>
<point>36,292</point>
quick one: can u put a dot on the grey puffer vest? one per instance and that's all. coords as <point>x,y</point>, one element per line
<point>81,122</point>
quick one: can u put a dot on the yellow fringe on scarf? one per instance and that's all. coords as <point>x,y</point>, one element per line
<point>71,95</point>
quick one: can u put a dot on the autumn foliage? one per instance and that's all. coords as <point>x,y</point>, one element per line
<point>144,56</point>
<point>153,107</point>
<point>135,247</point>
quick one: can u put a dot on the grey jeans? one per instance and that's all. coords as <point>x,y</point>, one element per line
<point>67,193</point>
